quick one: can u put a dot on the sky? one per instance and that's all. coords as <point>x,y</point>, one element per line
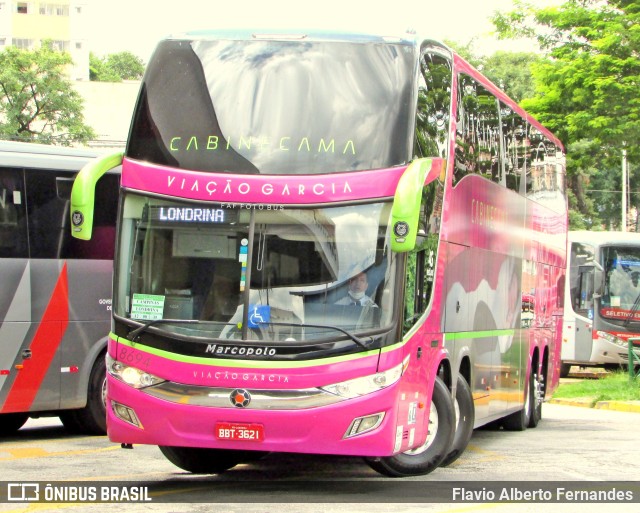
<point>136,25</point>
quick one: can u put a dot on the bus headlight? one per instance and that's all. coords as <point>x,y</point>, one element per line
<point>132,376</point>
<point>367,384</point>
<point>612,338</point>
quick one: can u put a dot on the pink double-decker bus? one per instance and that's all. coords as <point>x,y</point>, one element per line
<point>324,241</point>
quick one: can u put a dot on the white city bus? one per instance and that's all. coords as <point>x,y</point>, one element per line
<point>602,299</point>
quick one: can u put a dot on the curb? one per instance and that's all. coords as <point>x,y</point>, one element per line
<point>587,402</point>
<point>629,406</point>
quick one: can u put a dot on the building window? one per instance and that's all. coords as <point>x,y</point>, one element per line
<point>54,10</point>
<point>22,44</point>
<point>60,46</point>
<point>78,46</point>
<point>22,8</point>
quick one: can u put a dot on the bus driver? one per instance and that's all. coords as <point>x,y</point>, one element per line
<point>356,295</point>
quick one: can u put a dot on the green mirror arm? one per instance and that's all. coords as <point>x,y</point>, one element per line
<point>84,191</point>
<point>405,211</point>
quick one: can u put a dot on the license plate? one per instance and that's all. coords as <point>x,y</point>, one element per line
<point>240,432</point>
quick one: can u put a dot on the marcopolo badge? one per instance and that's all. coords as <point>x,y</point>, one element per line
<point>401,229</point>
<point>77,218</point>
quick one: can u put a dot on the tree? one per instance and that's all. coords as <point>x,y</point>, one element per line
<point>510,71</point>
<point>587,90</point>
<point>37,102</point>
<point>99,72</point>
<point>115,67</point>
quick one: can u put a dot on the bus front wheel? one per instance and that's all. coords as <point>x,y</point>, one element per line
<point>11,422</point>
<point>429,456</point>
<point>206,461</point>
<point>92,419</point>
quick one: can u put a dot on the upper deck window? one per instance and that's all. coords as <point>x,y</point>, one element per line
<point>275,107</point>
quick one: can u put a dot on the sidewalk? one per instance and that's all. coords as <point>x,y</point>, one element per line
<point>587,402</point>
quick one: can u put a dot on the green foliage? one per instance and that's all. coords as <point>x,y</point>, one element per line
<point>37,101</point>
<point>587,90</point>
<point>510,71</point>
<point>98,71</point>
<point>466,51</point>
<point>613,387</point>
<point>115,67</point>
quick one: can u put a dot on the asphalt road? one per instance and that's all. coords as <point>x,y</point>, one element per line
<point>570,444</point>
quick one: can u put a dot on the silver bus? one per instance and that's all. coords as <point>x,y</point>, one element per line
<point>55,299</point>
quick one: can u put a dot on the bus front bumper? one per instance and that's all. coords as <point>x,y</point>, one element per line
<point>284,420</point>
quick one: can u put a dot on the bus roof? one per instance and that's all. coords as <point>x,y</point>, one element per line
<point>604,238</point>
<point>256,34</point>
<point>44,156</point>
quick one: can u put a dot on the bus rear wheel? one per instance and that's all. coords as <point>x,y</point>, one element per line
<point>465,416</point>
<point>537,397</point>
<point>520,420</point>
<point>429,456</point>
<point>206,461</point>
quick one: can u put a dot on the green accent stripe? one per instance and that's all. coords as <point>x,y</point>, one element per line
<point>243,364</point>
<point>478,334</point>
<point>394,347</point>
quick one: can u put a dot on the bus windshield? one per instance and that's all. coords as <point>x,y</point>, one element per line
<point>295,269</point>
<point>274,107</point>
<point>622,286</point>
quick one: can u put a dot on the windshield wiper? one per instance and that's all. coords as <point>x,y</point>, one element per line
<point>634,309</point>
<point>133,334</point>
<point>362,343</point>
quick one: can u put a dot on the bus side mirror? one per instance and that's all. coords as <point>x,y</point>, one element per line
<point>598,282</point>
<point>84,191</point>
<point>405,212</point>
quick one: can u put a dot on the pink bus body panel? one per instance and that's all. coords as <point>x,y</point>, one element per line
<point>316,430</point>
<point>260,189</point>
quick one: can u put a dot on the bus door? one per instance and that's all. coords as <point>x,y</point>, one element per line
<point>582,302</point>
<point>25,356</point>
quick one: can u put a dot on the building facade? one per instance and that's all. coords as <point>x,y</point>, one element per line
<point>26,23</point>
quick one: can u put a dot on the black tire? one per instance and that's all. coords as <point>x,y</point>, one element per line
<point>537,397</point>
<point>427,458</point>
<point>465,417</point>
<point>519,421</point>
<point>11,422</point>
<point>565,368</point>
<point>207,461</point>
<point>92,419</point>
